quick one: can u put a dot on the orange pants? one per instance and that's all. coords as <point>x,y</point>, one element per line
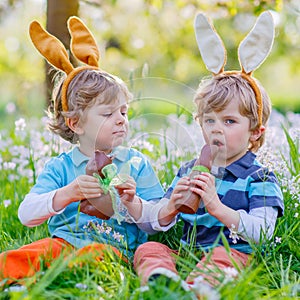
<point>153,255</point>
<point>25,261</point>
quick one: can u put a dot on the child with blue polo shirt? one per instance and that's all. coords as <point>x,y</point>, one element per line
<point>90,111</point>
<point>241,198</point>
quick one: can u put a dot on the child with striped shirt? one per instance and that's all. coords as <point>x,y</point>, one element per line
<point>241,198</point>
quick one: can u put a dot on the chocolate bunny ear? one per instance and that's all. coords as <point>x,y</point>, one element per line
<point>211,47</point>
<point>256,46</point>
<point>83,44</point>
<point>50,47</point>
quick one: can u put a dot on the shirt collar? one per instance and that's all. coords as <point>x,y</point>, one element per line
<point>245,162</point>
<point>236,168</point>
<point>120,153</point>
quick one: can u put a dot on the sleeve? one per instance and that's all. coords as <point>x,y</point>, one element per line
<point>258,223</point>
<point>148,186</point>
<point>35,209</point>
<point>264,191</point>
<point>149,220</point>
<point>37,206</point>
<point>265,205</point>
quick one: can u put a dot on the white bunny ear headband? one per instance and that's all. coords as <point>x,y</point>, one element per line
<point>252,51</point>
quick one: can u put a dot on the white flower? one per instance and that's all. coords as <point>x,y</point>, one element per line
<point>233,234</point>
<point>230,273</point>
<point>277,240</point>
<point>16,288</point>
<point>108,230</point>
<point>9,165</point>
<point>10,107</point>
<point>117,236</point>
<point>81,286</point>
<point>20,124</point>
<point>203,290</point>
<point>100,289</point>
<point>7,202</point>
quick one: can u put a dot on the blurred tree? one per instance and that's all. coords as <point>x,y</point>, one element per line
<point>58,12</point>
<point>148,38</point>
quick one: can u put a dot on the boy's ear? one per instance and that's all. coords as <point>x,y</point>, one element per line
<point>257,133</point>
<point>74,125</point>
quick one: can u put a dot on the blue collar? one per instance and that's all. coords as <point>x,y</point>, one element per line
<point>120,153</point>
<point>237,168</point>
<point>245,162</point>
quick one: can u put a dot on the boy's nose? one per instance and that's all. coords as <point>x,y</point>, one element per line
<point>120,119</point>
<point>217,127</point>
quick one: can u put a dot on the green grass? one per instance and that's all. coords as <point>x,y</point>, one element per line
<point>272,274</point>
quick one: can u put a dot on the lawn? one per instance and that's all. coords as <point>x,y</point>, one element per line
<point>274,269</point>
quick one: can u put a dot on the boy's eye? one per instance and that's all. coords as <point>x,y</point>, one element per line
<point>209,121</point>
<point>229,121</point>
<point>107,114</point>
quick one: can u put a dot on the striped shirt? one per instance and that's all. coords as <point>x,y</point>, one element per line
<point>243,185</point>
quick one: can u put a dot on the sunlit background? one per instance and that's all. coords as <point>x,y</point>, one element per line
<point>151,45</point>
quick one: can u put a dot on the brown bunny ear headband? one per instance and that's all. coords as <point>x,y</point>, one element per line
<point>253,50</point>
<point>83,47</point>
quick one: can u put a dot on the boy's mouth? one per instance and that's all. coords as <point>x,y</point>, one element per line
<point>217,143</point>
<point>119,132</point>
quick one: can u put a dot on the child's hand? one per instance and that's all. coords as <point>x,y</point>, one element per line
<point>84,187</point>
<point>205,188</point>
<point>168,212</point>
<point>127,192</point>
<point>126,189</point>
<point>183,184</point>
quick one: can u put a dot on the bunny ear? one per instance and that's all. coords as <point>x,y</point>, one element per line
<point>256,46</point>
<point>83,44</point>
<point>210,45</point>
<point>50,47</point>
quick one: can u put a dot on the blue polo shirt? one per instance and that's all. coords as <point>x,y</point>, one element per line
<point>80,229</point>
<point>245,184</point>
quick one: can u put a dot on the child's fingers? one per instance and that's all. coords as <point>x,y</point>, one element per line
<point>203,176</point>
<point>183,181</point>
<point>129,192</point>
<point>127,185</point>
<point>176,196</point>
<point>198,191</point>
<point>87,178</point>
<point>180,188</point>
<point>91,192</point>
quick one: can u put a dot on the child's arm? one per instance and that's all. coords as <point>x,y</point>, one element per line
<point>37,208</point>
<point>247,225</point>
<point>146,213</point>
<point>168,212</point>
<point>160,215</point>
<point>127,192</point>
<point>83,187</point>
<point>205,188</point>
<point>257,220</point>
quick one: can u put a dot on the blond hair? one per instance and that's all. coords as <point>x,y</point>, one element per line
<point>87,88</point>
<point>215,93</point>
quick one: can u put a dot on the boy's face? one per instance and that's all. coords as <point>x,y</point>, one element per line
<point>229,130</point>
<point>104,127</point>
